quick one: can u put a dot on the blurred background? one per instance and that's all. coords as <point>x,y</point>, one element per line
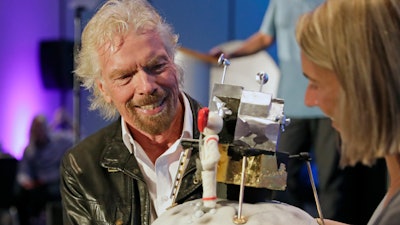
<point>36,58</point>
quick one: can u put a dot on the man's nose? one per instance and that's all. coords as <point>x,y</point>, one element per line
<point>145,83</point>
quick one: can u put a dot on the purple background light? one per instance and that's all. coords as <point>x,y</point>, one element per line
<point>24,24</point>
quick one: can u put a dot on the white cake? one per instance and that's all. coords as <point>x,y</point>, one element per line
<point>271,213</point>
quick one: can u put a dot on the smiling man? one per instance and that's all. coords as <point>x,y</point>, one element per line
<point>142,84</point>
<point>123,174</point>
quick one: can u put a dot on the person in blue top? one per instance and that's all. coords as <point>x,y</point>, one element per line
<point>310,130</point>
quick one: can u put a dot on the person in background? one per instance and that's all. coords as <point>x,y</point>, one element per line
<point>125,173</point>
<point>38,171</point>
<point>309,130</point>
<point>8,171</point>
<point>353,77</point>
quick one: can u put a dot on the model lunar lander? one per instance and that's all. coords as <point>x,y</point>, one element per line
<point>240,130</point>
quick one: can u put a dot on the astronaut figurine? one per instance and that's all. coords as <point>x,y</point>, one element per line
<point>210,124</point>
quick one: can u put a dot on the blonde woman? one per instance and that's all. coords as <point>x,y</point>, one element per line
<point>350,52</point>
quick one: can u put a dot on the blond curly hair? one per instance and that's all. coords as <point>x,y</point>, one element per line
<point>114,20</point>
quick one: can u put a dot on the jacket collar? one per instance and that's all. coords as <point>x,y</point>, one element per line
<point>115,156</point>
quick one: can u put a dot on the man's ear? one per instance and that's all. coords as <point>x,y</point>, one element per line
<point>103,90</point>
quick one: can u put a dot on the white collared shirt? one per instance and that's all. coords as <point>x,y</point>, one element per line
<point>160,177</point>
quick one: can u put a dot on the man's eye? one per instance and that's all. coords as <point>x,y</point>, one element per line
<point>123,79</point>
<point>157,68</point>
<point>125,76</point>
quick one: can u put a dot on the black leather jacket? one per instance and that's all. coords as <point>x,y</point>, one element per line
<point>101,182</point>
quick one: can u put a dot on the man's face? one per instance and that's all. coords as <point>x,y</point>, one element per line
<point>322,90</point>
<point>141,81</point>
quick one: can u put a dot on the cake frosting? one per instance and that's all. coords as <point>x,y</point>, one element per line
<point>266,213</point>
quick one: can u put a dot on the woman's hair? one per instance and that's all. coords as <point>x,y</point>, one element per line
<point>360,42</point>
<point>106,32</point>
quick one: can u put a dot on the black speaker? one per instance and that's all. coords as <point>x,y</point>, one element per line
<point>57,63</point>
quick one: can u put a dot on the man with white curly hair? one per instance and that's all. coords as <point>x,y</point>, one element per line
<point>124,173</point>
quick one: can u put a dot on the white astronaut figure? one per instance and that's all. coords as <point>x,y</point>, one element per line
<point>210,124</point>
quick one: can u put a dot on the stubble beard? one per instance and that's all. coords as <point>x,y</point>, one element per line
<point>155,124</point>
